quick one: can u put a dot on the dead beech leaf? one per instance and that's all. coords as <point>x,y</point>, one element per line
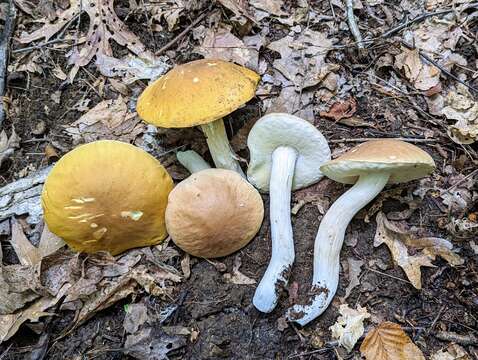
<point>26,252</point>
<point>389,342</point>
<point>422,75</point>
<point>451,352</point>
<point>461,107</point>
<point>341,109</point>
<point>110,119</point>
<point>349,326</point>
<point>397,241</point>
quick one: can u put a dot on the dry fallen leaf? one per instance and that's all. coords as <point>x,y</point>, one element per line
<point>422,75</point>
<point>355,268</point>
<point>8,144</point>
<point>26,252</point>
<point>389,342</point>
<point>451,352</point>
<point>397,241</point>
<point>349,326</point>
<point>237,277</point>
<point>341,109</point>
<point>110,119</point>
<point>461,107</point>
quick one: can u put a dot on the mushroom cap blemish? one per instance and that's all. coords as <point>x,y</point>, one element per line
<point>88,200</point>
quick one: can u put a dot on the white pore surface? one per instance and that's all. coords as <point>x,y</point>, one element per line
<point>279,129</point>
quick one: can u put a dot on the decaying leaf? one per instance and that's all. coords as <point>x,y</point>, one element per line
<point>136,316</point>
<point>8,145</point>
<point>341,109</point>
<point>398,240</point>
<point>110,119</point>
<point>169,10</point>
<point>354,270</point>
<point>349,326</point>
<point>451,352</point>
<point>237,277</point>
<point>132,68</point>
<point>104,25</point>
<point>422,75</point>
<point>26,252</point>
<point>461,107</point>
<point>389,342</point>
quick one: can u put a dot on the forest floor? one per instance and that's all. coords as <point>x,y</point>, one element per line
<point>414,76</point>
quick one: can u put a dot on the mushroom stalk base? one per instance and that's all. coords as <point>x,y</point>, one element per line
<point>328,244</point>
<point>277,273</point>
<point>219,147</point>
<point>192,161</point>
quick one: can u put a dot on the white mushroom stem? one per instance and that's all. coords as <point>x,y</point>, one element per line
<point>277,273</point>
<point>328,244</point>
<point>219,147</point>
<point>192,161</point>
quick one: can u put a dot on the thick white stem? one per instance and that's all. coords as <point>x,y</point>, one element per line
<point>192,161</point>
<point>219,147</point>
<point>277,273</point>
<point>328,244</point>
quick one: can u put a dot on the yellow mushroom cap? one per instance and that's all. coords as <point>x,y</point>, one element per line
<point>213,213</point>
<point>107,196</point>
<point>197,93</point>
<point>404,161</point>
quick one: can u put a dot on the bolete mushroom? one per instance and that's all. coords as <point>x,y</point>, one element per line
<point>200,93</point>
<point>213,213</point>
<point>107,196</point>
<point>369,166</point>
<point>286,154</point>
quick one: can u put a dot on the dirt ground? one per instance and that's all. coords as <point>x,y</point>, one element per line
<point>220,313</point>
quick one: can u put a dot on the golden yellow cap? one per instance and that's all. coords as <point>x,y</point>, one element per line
<point>196,93</point>
<point>107,196</point>
<point>213,213</point>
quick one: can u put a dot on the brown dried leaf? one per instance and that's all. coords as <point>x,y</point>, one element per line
<point>422,75</point>
<point>341,109</point>
<point>397,241</point>
<point>27,253</point>
<point>355,268</point>
<point>389,342</point>
<point>451,352</point>
<point>110,119</point>
<point>461,107</point>
<point>237,277</point>
<point>8,144</point>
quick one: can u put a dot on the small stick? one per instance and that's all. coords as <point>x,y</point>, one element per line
<point>457,338</point>
<point>419,18</point>
<point>4,44</point>
<point>354,29</point>
<point>460,181</point>
<point>182,34</point>
<point>412,140</point>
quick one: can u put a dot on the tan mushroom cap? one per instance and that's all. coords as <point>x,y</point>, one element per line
<point>197,93</point>
<point>404,161</point>
<point>213,213</point>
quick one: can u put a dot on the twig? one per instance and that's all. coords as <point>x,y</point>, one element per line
<point>412,140</point>
<point>457,338</point>
<point>436,319</point>
<point>419,18</point>
<point>182,33</point>
<point>2,355</point>
<point>4,44</point>
<point>353,24</point>
<point>390,276</point>
<point>473,173</point>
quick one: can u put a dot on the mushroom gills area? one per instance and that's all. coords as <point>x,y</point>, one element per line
<point>192,161</point>
<point>328,244</point>
<point>221,152</point>
<point>277,273</point>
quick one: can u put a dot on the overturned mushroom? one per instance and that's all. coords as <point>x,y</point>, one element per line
<point>286,154</point>
<point>201,93</point>
<point>369,166</point>
<point>107,196</point>
<point>213,213</point>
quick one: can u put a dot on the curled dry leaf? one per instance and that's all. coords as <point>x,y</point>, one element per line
<point>349,326</point>
<point>110,119</point>
<point>341,109</point>
<point>237,277</point>
<point>461,107</point>
<point>397,241</point>
<point>389,342</point>
<point>422,75</point>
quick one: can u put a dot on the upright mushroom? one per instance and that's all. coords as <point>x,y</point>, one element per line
<point>286,154</point>
<point>213,213</point>
<point>369,166</point>
<point>107,196</point>
<point>201,93</point>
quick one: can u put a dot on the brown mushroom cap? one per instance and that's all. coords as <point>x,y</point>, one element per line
<point>197,93</point>
<point>404,161</point>
<point>213,213</point>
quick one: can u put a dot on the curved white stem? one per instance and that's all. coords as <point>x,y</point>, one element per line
<point>192,161</point>
<point>277,273</point>
<point>219,147</point>
<point>328,244</point>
